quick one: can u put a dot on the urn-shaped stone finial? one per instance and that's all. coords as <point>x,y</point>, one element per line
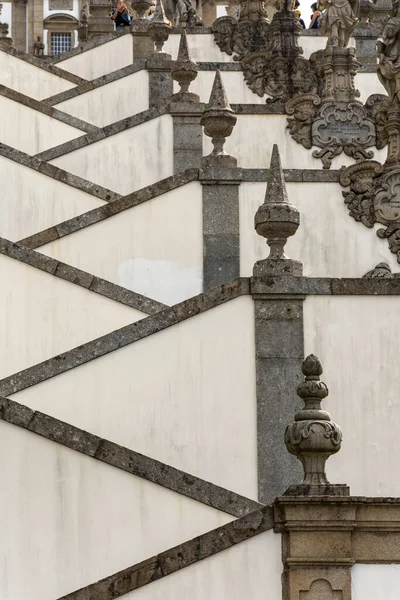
<point>218,121</point>
<point>159,28</point>
<point>140,6</point>
<point>313,437</point>
<point>184,71</point>
<point>276,220</point>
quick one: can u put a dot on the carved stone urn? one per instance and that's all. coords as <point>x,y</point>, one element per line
<point>313,437</point>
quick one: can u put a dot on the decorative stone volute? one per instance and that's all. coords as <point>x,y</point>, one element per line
<point>159,29</point>
<point>218,121</point>
<point>184,71</point>
<point>276,220</point>
<point>313,437</point>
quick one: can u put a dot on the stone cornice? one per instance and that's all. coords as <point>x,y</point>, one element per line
<point>81,278</point>
<point>54,113</point>
<point>108,210</point>
<point>324,286</point>
<point>177,558</point>
<point>123,336</point>
<point>100,134</point>
<point>125,459</point>
<point>58,174</point>
<point>44,65</point>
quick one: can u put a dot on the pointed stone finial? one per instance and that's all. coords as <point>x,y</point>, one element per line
<point>277,220</point>
<point>218,121</point>
<point>184,71</point>
<point>313,437</point>
<point>159,29</point>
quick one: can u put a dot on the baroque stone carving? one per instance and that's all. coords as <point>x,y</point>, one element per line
<point>333,119</point>
<point>338,19</point>
<point>269,52</point>
<point>381,271</point>
<point>184,71</point>
<point>321,589</point>
<point>276,220</point>
<point>61,5</point>
<point>218,121</point>
<point>38,47</point>
<point>182,13</point>
<point>313,437</point>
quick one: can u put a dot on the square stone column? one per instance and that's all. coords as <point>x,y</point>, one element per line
<point>221,245</point>
<point>279,347</point>
<point>160,80</point>
<point>188,135</point>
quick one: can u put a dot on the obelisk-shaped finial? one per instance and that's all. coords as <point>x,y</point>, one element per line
<point>218,121</point>
<point>184,71</point>
<point>159,29</point>
<point>313,437</point>
<point>277,220</point>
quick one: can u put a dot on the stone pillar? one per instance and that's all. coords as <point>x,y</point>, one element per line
<point>19,24</point>
<point>317,547</point>
<point>221,243</point>
<point>186,112</point>
<point>279,340</point>
<point>188,135</point>
<point>221,249</point>
<point>36,16</point>
<point>160,80</point>
<point>99,22</point>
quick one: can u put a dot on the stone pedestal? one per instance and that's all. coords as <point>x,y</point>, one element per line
<point>188,135</point>
<point>143,45</point>
<point>99,22</point>
<point>160,80</point>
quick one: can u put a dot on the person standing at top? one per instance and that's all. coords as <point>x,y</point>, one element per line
<point>121,15</point>
<point>296,8</point>
<point>315,16</point>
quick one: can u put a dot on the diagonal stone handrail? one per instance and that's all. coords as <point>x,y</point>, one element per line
<point>41,107</point>
<point>43,65</point>
<point>123,337</point>
<point>58,174</point>
<point>125,459</point>
<point>178,558</point>
<point>82,278</point>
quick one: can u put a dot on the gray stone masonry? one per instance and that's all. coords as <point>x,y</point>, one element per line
<point>279,343</point>
<point>279,354</point>
<point>221,244</point>
<point>177,558</point>
<point>160,80</point>
<point>188,135</point>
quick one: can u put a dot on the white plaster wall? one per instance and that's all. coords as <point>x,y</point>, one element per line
<point>68,520</point>
<point>185,396</point>
<point>30,80</point>
<point>29,130</point>
<point>101,60</point>
<point>251,569</point>
<point>236,88</point>
<point>202,48</point>
<point>42,315</point>
<point>110,103</point>
<point>367,84</point>
<point>31,202</point>
<point>254,135</point>
<point>375,582</point>
<point>155,248</point>
<point>356,340</point>
<point>127,161</point>
<point>328,242</point>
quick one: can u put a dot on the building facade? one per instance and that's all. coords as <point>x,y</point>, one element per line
<point>190,217</point>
